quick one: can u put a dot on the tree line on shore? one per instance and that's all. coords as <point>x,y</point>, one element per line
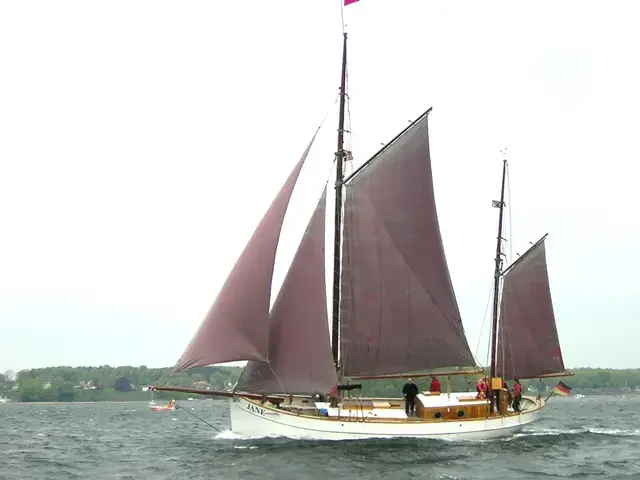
<point>106,383</point>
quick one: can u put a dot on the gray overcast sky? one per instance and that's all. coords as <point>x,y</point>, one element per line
<point>140,143</point>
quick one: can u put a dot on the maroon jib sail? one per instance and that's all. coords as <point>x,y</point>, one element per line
<point>528,344</point>
<point>237,325</point>
<point>300,359</point>
<point>398,310</point>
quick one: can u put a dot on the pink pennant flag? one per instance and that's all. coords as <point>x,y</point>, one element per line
<point>349,2</point>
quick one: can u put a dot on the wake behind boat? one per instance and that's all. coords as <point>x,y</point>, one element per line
<point>395,313</point>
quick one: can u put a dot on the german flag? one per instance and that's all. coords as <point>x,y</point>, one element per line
<point>562,389</point>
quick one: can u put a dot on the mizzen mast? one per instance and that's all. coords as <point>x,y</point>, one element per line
<point>340,153</point>
<point>496,277</point>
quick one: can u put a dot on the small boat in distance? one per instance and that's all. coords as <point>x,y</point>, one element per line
<point>159,408</point>
<point>152,401</point>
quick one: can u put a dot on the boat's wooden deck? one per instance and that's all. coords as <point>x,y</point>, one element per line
<point>363,410</point>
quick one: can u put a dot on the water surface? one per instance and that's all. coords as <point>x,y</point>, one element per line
<point>594,436</point>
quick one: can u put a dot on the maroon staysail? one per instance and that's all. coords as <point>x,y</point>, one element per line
<point>299,344</point>
<point>398,311</point>
<point>528,344</point>
<point>237,325</point>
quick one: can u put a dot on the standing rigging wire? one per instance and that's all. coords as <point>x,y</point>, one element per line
<point>347,165</point>
<point>507,343</point>
<point>501,335</point>
<point>504,342</point>
<point>199,418</point>
<point>510,227</point>
<point>349,162</point>
<point>484,321</point>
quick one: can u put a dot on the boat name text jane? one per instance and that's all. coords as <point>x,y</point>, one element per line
<point>254,409</point>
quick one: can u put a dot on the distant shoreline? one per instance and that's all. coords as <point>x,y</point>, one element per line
<point>76,403</point>
<point>160,402</point>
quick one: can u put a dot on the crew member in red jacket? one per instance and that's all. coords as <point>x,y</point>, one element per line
<point>517,395</point>
<point>481,388</point>
<point>435,385</point>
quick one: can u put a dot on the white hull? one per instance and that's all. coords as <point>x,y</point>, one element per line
<point>249,418</point>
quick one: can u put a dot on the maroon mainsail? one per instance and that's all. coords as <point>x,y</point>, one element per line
<point>300,359</point>
<point>237,325</point>
<point>398,309</point>
<point>528,344</point>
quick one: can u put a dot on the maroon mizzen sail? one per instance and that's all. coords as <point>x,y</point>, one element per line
<point>300,359</point>
<point>528,344</point>
<point>399,312</point>
<point>237,325</point>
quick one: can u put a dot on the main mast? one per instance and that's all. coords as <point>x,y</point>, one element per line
<point>496,277</point>
<point>335,325</point>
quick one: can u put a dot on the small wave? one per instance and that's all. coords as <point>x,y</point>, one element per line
<point>229,435</point>
<point>550,431</point>
<point>615,432</point>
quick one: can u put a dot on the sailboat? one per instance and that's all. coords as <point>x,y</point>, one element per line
<point>152,402</point>
<point>394,313</point>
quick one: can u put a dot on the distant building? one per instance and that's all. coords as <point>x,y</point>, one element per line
<point>202,384</point>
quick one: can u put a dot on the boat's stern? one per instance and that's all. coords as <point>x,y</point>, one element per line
<point>529,404</point>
